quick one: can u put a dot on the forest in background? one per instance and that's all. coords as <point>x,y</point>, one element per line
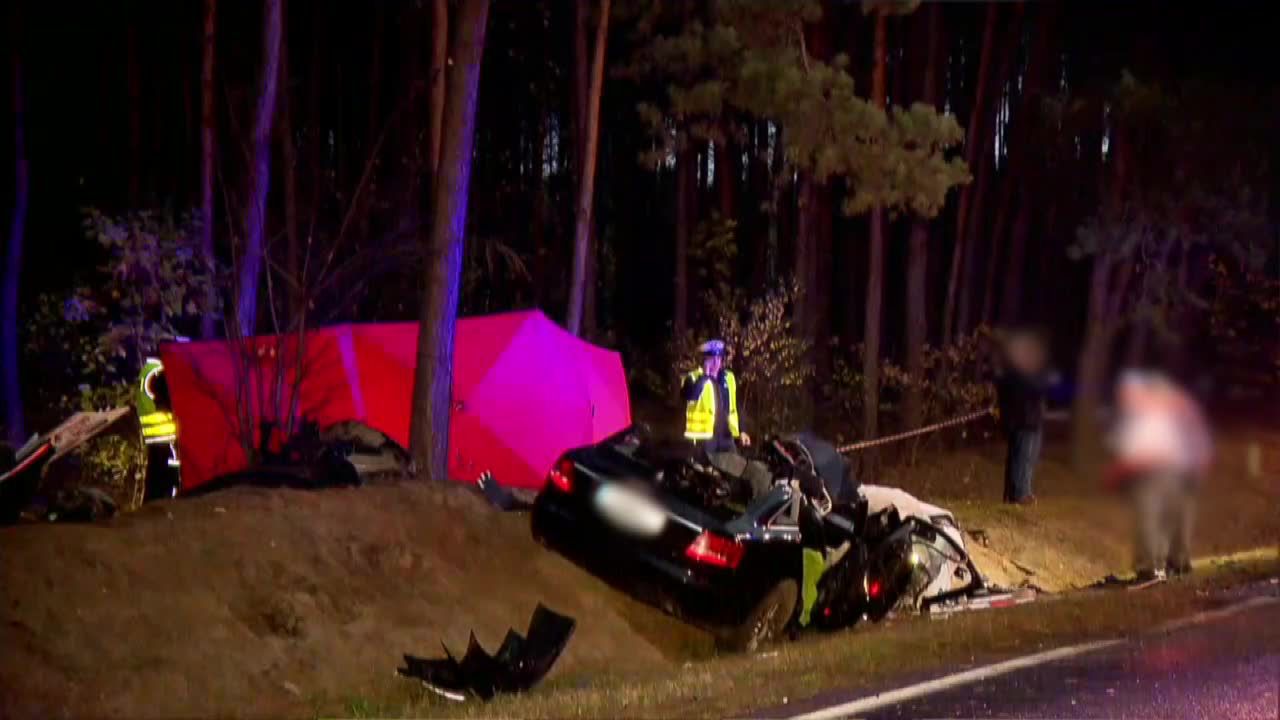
<point>851,192</point>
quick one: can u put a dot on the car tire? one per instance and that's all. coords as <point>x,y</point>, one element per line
<point>767,621</point>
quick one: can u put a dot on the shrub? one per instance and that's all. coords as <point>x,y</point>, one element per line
<point>88,348</point>
<point>155,285</point>
<point>771,363</point>
<point>956,381</point>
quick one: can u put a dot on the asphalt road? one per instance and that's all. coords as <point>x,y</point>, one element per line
<point>1227,667</point>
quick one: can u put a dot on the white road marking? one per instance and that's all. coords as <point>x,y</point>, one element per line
<point>911,692</point>
<point>1209,615</point>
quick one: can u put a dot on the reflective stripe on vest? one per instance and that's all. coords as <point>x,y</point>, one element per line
<point>158,424</point>
<point>700,414</point>
<point>144,395</point>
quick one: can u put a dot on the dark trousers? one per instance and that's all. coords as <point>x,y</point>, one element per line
<point>1024,452</point>
<point>755,474</point>
<point>1165,507</point>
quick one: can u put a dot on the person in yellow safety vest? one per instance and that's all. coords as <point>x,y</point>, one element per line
<point>159,431</point>
<point>157,421</point>
<point>713,423</point>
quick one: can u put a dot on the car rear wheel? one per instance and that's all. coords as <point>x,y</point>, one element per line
<point>767,621</point>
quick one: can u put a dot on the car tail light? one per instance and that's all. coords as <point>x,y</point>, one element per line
<point>711,549</point>
<point>873,589</point>
<point>562,476</point>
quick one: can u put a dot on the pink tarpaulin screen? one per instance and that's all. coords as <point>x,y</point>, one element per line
<point>524,391</point>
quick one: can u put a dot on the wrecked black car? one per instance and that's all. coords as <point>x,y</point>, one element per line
<point>816,550</point>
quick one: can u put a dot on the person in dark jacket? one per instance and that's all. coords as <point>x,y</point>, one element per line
<point>712,420</point>
<point>1020,395</point>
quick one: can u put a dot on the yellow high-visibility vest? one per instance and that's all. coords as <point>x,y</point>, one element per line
<point>700,414</point>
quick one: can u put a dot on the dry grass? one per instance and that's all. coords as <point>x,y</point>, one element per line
<point>864,657</point>
<point>1075,534</point>
<point>260,603</point>
<point>257,603</point>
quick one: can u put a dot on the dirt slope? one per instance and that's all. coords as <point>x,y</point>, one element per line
<point>1076,534</point>
<point>281,603</point>
<point>270,603</point>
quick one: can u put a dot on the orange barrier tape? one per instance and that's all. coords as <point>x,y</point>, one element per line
<point>862,445</point>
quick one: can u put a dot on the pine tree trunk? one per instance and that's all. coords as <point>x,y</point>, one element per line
<point>375,76</point>
<point>973,140</point>
<point>1106,294</point>
<point>756,213</point>
<point>260,179</point>
<point>410,120</point>
<point>591,283</point>
<point>340,134</point>
<point>777,219</point>
<point>316,72</point>
<point>439,61</point>
<point>586,192</point>
<point>295,285</point>
<point>704,171</point>
<point>1049,251</point>
<point>366,196</point>
<point>433,375</point>
<point>181,169</point>
<point>1040,66</point>
<point>726,178</point>
<point>993,255</point>
<point>966,289</point>
<point>686,161</point>
<point>577,128</point>
<point>10,356</point>
<point>581,85</point>
<point>135,113</point>
<point>805,262</point>
<point>823,275</point>
<point>815,231</point>
<point>875,265</point>
<point>1011,304</point>
<point>1094,352</point>
<point>208,153</point>
<point>538,223</point>
<point>1136,350</point>
<point>917,329</point>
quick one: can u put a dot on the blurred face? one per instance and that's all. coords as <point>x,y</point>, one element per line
<point>1140,396</point>
<point>711,364</point>
<point>1129,395</point>
<point>1026,354</point>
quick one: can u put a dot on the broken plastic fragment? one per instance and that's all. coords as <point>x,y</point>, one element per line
<point>521,661</point>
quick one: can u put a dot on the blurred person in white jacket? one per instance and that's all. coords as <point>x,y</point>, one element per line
<point>1162,451</point>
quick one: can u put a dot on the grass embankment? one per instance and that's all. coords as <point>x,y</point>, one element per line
<point>1075,534</point>
<point>277,603</point>
<point>865,657</point>
<point>284,603</point>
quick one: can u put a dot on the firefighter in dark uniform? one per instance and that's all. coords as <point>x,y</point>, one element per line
<point>712,421</point>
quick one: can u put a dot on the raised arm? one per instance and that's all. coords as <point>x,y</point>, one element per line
<point>691,387</point>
